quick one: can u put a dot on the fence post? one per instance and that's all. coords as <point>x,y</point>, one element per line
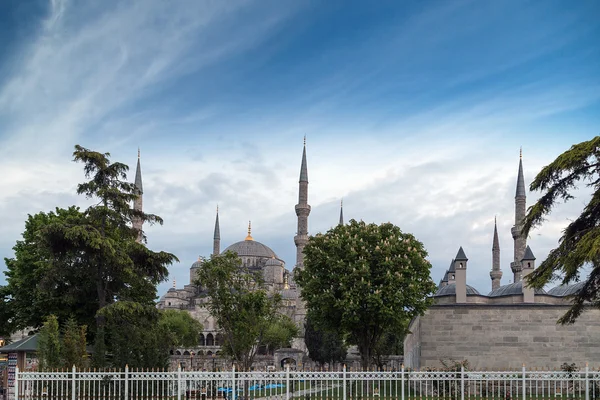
<point>126,394</point>
<point>462,382</point>
<point>523,383</point>
<point>179,382</point>
<point>587,382</point>
<point>73,383</point>
<point>16,391</point>
<point>233,388</point>
<point>402,382</point>
<point>287,382</point>
<point>344,381</point>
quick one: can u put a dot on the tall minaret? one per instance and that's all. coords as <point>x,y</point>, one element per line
<point>217,236</point>
<point>342,212</point>
<point>496,273</point>
<point>138,202</point>
<point>302,211</point>
<point>520,240</point>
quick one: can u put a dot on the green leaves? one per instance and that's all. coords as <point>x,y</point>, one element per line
<point>361,279</point>
<point>237,299</point>
<point>580,244</point>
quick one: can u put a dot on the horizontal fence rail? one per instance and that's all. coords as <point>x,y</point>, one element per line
<point>285,385</point>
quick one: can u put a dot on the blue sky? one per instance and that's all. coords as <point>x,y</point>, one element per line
<point>414,113</point>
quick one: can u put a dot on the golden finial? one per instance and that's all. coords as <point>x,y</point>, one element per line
<point>138,152</point>
<point>286,283</point>
<point>521,152</point>
<point>249,237</point>
<point>174,284</point>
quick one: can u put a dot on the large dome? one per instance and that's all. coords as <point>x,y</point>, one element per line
<point>512,289</point>
<point>450,289</point>
<point>251,248</point>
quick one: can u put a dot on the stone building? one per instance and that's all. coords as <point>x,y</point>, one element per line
<point>510,325</point>
<point>253,254</point>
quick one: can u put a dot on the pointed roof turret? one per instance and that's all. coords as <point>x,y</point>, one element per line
<point>528,256</point>
<point>461,256</point>
<point>303,167</point>
<point>342,212</point>
<point>496,242</point>
<point>138,176</point>
<point>217,229</point>
<point>520,178</point>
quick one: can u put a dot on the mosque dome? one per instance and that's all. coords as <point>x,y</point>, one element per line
<point>450,289</point>
<point>512,289</point>
<point>197,264</point>
<point>566,290</point>
<point>251,248</point>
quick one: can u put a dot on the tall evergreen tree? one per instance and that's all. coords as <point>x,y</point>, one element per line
<point>579,245</point>
<point>49,348</point>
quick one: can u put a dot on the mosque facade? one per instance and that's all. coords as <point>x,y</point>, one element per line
<point>509,326</point>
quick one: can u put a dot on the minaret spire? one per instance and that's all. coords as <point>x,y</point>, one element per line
<point>520,210</point>
<point>138,202</point>
<point>249,237</point>
<point>496,273</point>
<point>302,211</point>
<point>217,236</point>
<point>342,212</point>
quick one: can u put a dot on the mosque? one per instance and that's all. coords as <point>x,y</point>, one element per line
<point>509,326</point>
<point>256,256</point>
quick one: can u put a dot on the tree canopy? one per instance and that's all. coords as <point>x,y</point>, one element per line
<point>363,280</point>
<point>237,299</point>
<point>579,246</point>
<point>323,346</point>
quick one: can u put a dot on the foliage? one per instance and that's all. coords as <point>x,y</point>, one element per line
<point>238,300</point>
<point>184,329</point>
<point>73,346</point>
<point>391,343</point>
<point>6,314</point>
<point>323,346</point>
<point>363,280</point>
<point>579,245</point>
<point>280,333</point>
<point>49,345</point>
<point>75,263</point>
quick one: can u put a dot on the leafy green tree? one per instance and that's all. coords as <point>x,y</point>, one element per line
<point>73,344</point>
<point>391,343</point>
<point>324,346</point>
<point>49,345</point>
<point>579,245</point>
<point>184,329</point>
<point>6,314</point>
<point>280,333</point>
<point>363,280</point>
<point>86,260</point>
<point>237,299</point>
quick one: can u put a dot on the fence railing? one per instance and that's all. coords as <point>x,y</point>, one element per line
<point>402,384</point>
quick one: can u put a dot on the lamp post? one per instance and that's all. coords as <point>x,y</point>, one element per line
<point>213,357</point>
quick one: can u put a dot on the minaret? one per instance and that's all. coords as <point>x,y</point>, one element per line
<point>496,273</point>
<point>460,267</point>
<point>520,240</point>
<point>528,263</point>
<point>217,236</point>
<point>342,212</point>
<point>138,202</point>
<point>302,211</point>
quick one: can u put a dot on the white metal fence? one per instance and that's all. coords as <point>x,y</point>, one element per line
<point>403,384</point>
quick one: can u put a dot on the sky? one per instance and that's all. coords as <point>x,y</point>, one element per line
<point>414,113</point>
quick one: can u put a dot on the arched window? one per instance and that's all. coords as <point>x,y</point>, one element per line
<point>177,353</point>
<point>171,352</point>
<point>201,353</point>
<point>186,353</point>
<point>210,340</point>
<point>201,340</point>
<point>219,340</point>
<point>209,353</point>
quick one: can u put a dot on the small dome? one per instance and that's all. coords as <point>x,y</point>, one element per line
<point>566,290</point>
<point>450,289</point>
<point>273,261</point>
<point>197,264</point>
<point>512,289</point>
<point>251,248</point>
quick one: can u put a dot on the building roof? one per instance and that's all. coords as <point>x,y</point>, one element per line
<point>198,263</point>
<point>528,255</point>
<point>450,290</point>
<point>512,289</point>
<point>566,290</point>
<point>461,256</point>
<point>303,167</point>
<point>30,343</point>
<point>138,176</point>
<point>251,248</point>
<point>520,181</point>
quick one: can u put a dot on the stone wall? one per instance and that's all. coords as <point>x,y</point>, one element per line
<point>502,337</point>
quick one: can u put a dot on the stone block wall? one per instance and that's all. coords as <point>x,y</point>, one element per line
<point>502,337</point>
